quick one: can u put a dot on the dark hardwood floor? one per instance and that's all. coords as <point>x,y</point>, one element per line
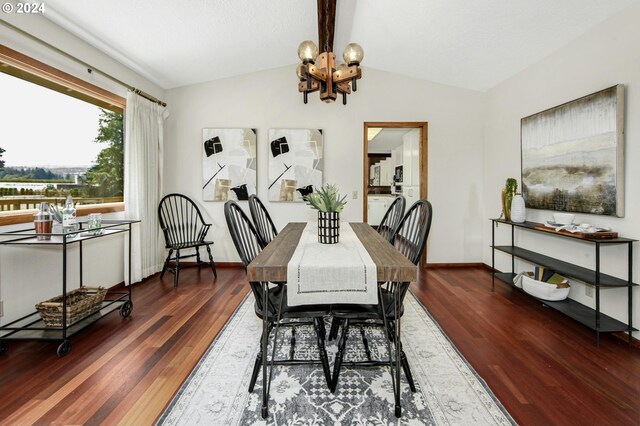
<point>543,366</point>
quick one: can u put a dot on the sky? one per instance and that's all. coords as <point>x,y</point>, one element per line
<point>41,127</point>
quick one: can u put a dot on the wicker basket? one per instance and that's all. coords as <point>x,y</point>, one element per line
<point>80,303</point>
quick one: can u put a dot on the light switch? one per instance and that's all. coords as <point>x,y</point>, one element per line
<point>355,194</point>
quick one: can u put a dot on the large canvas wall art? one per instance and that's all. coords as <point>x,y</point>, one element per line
<point>573,155</point>
<point>295,163</point>
<point>228,164</point>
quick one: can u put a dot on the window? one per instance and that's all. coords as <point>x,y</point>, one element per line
<point>59,136</point>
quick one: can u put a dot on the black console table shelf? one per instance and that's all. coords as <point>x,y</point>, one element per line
<point>565,268</point>
<point>587,316</point>
<point>574,310</point>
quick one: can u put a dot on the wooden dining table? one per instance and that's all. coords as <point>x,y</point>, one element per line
<point>271,266</point>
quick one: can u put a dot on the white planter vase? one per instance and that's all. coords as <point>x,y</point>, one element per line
<point>518,210</point>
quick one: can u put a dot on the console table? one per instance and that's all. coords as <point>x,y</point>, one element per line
<point>592,318</point>
<point>31,327</point>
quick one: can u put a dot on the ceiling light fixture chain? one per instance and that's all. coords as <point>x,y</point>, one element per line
<point>327,76</point>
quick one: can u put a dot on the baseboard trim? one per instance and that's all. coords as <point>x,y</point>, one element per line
<point>454,265</point>
<point>488,268</point>
<point>230,264</point>
<point>118,286</point>
<point>223,264</point>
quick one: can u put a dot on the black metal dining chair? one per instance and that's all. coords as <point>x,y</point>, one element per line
<point>387,228</point>
<point>410,239</point>
<point>392,218</point>
<point>274,306</point>
<point>184,228</point>
<point>262,220</point>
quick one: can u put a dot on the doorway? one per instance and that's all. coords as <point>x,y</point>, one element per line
<point>394,163</point>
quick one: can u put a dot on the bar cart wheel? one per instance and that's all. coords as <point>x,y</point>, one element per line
<point>64,348</point>
<point>126,308</point>
<point>4,347</point>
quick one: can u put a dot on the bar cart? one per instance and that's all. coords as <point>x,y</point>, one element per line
<point>31,326</point>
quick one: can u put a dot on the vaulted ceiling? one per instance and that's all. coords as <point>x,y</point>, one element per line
<point>466,43</point>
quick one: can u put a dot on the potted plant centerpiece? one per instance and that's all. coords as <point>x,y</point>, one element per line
<point>329,204</point>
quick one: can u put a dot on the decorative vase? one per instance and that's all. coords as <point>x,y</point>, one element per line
<point>505,206</point>
<point>328,227</point>
<point>518,209</point>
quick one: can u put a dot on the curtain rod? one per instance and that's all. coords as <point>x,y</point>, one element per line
<point>90,68</point>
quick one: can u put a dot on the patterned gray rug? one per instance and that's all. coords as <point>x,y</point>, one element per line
<point>449,392</point>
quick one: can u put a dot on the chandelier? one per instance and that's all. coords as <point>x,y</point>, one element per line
<point>321,72</point>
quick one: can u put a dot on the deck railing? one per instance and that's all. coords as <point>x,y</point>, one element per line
<point>19,203</point>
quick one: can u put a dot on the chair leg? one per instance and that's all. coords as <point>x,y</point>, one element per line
<point>403,360</point>
<point>177,270</point>
<point>212,263</point>
<point>323,330</point>
<point>323,351</point>
<point>166,263</point>
<point>292,348</point>
<point>406,369</point>
<point>365,342</point>
<point>198,261</point>
<point>340,354</point>
<point>335,327</point>
<point>256,366</point>
<point>256,370</point>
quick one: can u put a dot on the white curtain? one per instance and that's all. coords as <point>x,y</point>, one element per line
<point>143,184</point>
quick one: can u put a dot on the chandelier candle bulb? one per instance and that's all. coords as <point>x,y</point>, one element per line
<point>353,54</point>
<point>307,51</point>
<point>301,72</point>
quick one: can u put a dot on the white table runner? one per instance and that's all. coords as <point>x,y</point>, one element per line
<point>331,273</point>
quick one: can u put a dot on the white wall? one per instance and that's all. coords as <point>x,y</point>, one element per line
<point>29,275</point>
<point>606,56</point>
<point>269,99</point>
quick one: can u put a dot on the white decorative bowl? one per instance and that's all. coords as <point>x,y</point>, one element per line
<point>563,218</point>
<point>544,291</point>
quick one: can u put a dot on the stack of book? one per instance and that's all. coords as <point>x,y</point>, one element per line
<point>550,277</point>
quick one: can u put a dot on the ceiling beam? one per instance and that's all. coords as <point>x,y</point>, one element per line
<point>326,24</point>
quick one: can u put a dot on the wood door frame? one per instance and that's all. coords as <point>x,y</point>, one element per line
<point>424,158</point>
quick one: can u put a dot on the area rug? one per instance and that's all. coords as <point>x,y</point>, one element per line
<point>449,391</point>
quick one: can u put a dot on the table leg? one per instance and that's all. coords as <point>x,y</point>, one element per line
<point>396,321</point>
<point>265,331</point>
<point>395,384</point>
<point>266,378</point>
